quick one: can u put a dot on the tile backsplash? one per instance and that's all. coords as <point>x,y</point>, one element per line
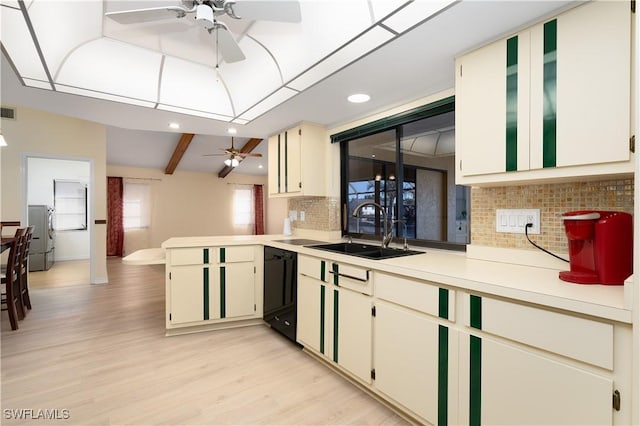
<point>553,200</point>
<point>321,213</point>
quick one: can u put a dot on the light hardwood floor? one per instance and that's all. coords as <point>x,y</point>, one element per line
<point>99,351</point>
<point>61,274</point>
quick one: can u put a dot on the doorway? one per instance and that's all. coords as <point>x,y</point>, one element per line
<point>63,185</point>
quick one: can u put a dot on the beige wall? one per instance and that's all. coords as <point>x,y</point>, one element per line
<point>194,203</point>
<point>38,133</point>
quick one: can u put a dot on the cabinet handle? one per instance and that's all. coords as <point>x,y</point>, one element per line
<point>351,276</point>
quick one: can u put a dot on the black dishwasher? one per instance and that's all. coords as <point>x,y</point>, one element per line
<point>280,290</point>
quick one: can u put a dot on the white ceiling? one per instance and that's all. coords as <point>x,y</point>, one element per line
<point>414,65</point>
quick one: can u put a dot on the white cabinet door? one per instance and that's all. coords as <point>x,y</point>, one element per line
<point>593,83</point>
<point>554,95</point>
<point>481,110</point>
<point>187,294</point>
<point>238,289</point>
<point>354,333</point>
<point>406,355</point>
<point>310,305</point>
<point>292,161</point>
<point>507,385</point>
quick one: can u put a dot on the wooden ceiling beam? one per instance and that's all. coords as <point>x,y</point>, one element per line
<point>247,148</point>
<point>181,147</point>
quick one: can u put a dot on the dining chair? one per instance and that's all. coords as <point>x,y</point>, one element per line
<point>11,280</point>
<point>24,269</point>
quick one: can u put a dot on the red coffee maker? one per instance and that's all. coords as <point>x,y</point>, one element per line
<point>600,247</point>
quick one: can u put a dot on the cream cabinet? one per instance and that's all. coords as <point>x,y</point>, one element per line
<point>297,161</point>
<point>415,357</point>
<point>334,320</point>
<point>210,285</point>
<point>521,362</point>
<point>550,102</point>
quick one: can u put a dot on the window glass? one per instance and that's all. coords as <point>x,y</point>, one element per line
<point>409,171</point>
<point>243,207</point>
<point>136,205</point>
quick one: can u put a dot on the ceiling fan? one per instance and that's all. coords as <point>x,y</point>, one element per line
<point>233,154</point>
<point>206,12</point>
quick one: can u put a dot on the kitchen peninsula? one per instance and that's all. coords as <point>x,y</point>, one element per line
<point>441,337</point>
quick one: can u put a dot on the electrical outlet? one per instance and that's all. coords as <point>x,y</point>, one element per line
<point>301,216</point>
<point>514,220</point>
<point>293,215</point>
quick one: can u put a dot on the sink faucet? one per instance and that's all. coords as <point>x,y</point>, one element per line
<point>386,235</point>
<point>405,246</point>
<point>348,238</point>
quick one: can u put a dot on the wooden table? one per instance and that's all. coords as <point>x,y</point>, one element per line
<point>7,242</point>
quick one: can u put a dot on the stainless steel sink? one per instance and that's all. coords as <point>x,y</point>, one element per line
<point>368,251</point>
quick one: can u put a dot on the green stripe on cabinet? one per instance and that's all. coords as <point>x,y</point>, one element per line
<point>335,325</point>
<point>223,291</point>
<point>511,159</point>
<point>443,303</point>
<point>475,380</point>
<point>205,255</point>
<point>443,375</point>
<point>223,255</point>
<point>323,269</point>
<point>279,157</point>
<point>334,266</point>
<point>549,94</point>
<point>322,319</point>
<point>205,291</point>
<point>286,162</point>
<point>476,311</point>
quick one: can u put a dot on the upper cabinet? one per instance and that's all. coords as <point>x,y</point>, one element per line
<point>297,161</point>
<point>550,102</point>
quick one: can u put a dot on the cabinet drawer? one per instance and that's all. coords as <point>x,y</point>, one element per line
<point>313,267</point>
<point>419,295</point>
<point>189,256</point>
<point>352,277</point>
<point>235,254</point>
<point>578,338</point>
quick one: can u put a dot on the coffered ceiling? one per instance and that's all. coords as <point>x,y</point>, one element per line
<point>66,57</point>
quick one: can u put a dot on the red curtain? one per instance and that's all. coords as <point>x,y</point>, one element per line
<point>115,227</point>
<point>258,204</point>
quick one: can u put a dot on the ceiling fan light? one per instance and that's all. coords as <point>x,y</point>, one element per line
<point>204,16</point>
<point>227,162</point>
<point>234,162</point>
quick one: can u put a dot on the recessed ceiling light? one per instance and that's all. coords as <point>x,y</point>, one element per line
<point>232,131</point>
<point>174,125</point>
<point>259,166</point>
<point>359,98</point>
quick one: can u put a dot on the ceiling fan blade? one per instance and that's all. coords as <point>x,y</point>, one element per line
<point>215,155</point>
<point>136,16</point>
<point>278,10</point>
<point>248,154</point>
<point>229,49</point>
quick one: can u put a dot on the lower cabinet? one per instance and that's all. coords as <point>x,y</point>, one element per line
<point>209,285</point>
<point>521,362</point>
<point>335,322</point>
<point>411,352</point>
<point>443,356</point>
<point>508,385</point>
<point>189,285</point>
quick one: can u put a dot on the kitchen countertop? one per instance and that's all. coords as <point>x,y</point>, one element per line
<point>452,269</point>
